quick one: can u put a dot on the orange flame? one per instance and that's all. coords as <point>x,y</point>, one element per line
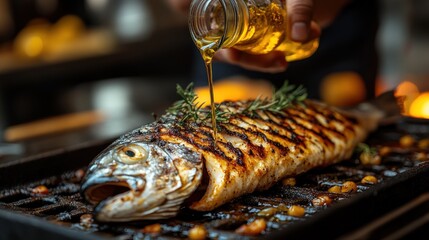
<point>412,102</point>
<point>405,93</point>
<point>420,106</point>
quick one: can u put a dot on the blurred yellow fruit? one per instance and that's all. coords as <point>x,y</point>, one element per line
<point>343,89</point>
<point>64,32</point>
<point>31,41</point>
<point>67,28</point>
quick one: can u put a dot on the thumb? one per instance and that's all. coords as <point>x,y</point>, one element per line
<point>300,14</point>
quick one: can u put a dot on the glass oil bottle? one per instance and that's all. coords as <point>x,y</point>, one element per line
<point>253,26</point>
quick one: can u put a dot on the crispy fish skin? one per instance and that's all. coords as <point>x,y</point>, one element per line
<point>254,152</point>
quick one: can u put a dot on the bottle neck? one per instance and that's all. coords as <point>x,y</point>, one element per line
<point>216,24</point>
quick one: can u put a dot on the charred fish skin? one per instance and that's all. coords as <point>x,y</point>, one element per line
<point>138,177</point>
<point>251,153</point>
<point>254,152</point>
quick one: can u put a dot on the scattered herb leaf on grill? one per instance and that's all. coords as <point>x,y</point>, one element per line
<point>365,148</point>
<point>368,155</point>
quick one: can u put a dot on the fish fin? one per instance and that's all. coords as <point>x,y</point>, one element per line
<point>383,110</point>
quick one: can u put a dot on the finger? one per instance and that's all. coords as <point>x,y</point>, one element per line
<point>273,62</point>
<point>300,14</point>
<point>315,31</point>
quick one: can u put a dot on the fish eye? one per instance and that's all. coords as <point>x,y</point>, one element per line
<point>132,154</point>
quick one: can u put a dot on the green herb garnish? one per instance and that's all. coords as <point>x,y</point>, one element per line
<point>188,106</point>
<point>191,109</point>
<point>282,98</point>
<point>365,148</point>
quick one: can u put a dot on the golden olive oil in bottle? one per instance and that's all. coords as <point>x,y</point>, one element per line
<point>253,26</point>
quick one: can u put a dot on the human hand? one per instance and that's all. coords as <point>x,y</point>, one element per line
<point>303,29</point>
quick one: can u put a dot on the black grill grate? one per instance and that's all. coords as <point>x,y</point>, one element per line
<point>63,205</point>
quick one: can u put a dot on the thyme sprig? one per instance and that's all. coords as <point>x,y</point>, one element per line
<point>282,98</point>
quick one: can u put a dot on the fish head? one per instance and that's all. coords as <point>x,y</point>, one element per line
<point>137,178</point>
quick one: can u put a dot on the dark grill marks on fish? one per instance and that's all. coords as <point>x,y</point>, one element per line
<point>290,127</point>
<point>311,124</point>
<point>186,134</point>
<point>253,149</point>
<point>253,134</point>
<point>346,121</point>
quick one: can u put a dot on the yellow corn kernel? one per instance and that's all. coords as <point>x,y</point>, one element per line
<point>406,141</point>
<point>296,211</point>
<point>349,187</point>
<point>153,228</point>
<point>321,200</point>
<point>334,189</point>
<point>252,229</point>
<point>197,232</point>
<point>423,144</point>
<point>369,180</point>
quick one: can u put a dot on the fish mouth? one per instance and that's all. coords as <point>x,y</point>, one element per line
<point>120,198</point>
<point>103,189</point>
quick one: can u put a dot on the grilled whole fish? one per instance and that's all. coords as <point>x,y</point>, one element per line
<point>151,171</point>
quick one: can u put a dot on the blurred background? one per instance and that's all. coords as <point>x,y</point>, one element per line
<point>88,62</point>
<point>97,68</point>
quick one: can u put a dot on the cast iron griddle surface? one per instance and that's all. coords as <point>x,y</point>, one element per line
<point>63,205</point>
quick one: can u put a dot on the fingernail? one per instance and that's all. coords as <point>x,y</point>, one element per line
<point>299,32</point>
